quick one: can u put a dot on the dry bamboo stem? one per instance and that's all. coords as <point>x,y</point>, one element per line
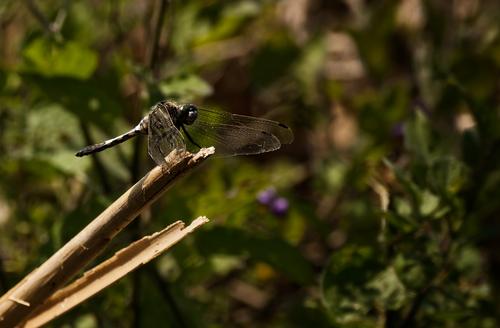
<point>109,271</point>
<point>18,303</point>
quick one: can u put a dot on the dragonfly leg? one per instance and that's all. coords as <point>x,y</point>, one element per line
<point>189,137</point>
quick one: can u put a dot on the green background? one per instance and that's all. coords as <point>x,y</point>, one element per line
<point>393,180</point>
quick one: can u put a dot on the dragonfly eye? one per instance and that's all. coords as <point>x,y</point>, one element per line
<point>189,114</point>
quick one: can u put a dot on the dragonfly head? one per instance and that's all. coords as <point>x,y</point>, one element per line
<point>188,114</point>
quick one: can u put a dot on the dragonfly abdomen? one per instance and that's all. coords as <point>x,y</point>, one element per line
<point>111,142</point>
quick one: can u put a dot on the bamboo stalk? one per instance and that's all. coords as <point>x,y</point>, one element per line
<point>109,271</point>
<point>19,302</point>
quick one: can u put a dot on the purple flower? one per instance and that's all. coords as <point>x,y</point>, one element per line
<point>266,197</point>
<point>279,206</point>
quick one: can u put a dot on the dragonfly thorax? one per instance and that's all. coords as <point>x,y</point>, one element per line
<point>187,114</point>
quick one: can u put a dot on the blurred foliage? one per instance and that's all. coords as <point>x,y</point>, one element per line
<point>392,182</point>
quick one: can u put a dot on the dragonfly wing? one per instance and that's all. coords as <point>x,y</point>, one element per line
<point>279,130</point>
<point>229,136</point>
<point>163,136</point>
<point>230,142</point>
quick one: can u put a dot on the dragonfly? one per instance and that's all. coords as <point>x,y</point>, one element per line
<point>171,126</point>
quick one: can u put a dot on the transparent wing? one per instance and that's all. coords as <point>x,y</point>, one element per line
<point>163,136</point>
<point>233,134</point>
<point>279,130</point>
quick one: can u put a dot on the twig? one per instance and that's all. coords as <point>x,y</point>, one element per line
<point>108,272</point>
<point>136,297</point>
<point>3,278</point>
<point>40,17</point>
<point>44,22</point>
<point>114,21</point>
<point>153,52</point>
<point>58,23</point>
<point>87,244</point>
<point>167,295</point>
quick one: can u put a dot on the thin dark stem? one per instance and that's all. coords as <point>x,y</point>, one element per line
<point>40,17</point>
<point>135,167</point>
<point>153,53</point>
<point>114,21</point>
<point>42,20</point>
<point>136,233</point>
<point>136,299</point>
<point>3,278</point>
<point>167,295</point>
<point>409,319</point>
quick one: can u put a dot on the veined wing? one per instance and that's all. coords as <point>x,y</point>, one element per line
<point>163,136</point>
<point>237,134</point>
<point>279,130</point>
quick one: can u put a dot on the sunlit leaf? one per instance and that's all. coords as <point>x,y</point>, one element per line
<point>69,59</point>
<point>185,88</point>
<point>429,203</point>
<point>391,291</point>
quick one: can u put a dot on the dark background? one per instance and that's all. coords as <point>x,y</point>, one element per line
<point>384,212</point>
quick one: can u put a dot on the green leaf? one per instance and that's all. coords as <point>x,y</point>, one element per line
<point>402,206</point>
<point>185,88</point>
<point>448,175</point>
<point>67,162</point>
<point>411,270</point>
<point>50,117</point>
<point>346,290</point>
<point>232,19</point>
<point>69,59</point>
<point>87,320</point>
<point>418,137</point>
<point>335,174</point>
<point>392,292</point>
<point>428,203</point>
<point>92,100</point>
<point>310,66</point>
<point>295,228</point>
